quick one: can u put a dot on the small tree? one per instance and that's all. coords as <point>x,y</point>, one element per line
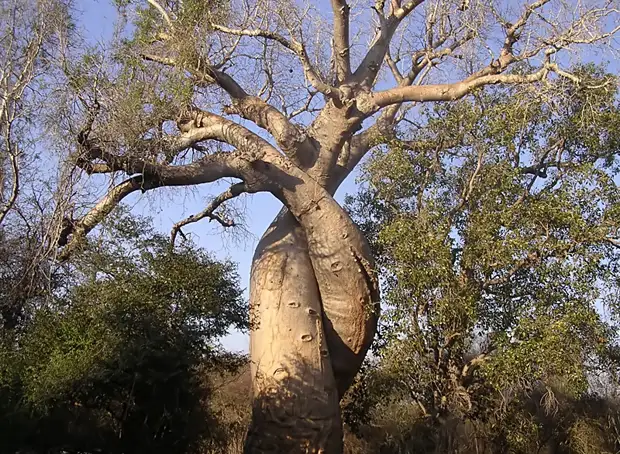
<point>31,35</point>
<point>119,360</point>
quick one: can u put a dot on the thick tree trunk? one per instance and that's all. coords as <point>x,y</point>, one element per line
<point>313,298</point>
<point>295,396</point>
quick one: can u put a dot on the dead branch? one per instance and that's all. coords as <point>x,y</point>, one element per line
<point>209,212</point>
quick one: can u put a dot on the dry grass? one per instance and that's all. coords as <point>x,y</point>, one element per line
<point>397,427</point>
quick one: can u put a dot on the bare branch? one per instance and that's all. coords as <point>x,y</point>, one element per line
<point>305,107</point>
<point>234,191</point>
<point>448,92</point>
<point>368,69</point>
<point>291,140</point>
<point>539,169</point>
<point>382,130</point>
<point>394,68</point>
<point>294,46</point>
<point>205,170</point>
<point>513,34</point>
<point>78,229</point>
<point>196,126</point>
<point>341,39</point>
<point>202,73</point>
<point>16,75</point>
<point>513,31</point>
<point>407,8</point>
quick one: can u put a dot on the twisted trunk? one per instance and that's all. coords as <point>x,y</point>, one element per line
<point>295,396</point>
<point>313,298</point>
<point>313,291</point>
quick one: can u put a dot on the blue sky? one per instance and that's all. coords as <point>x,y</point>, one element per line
<point>167,206</point>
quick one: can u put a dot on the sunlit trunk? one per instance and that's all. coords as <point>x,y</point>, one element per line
<point>295,396</point>
<point>313,321</point>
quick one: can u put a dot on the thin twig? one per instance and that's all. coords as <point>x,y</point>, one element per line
<point>232,192</point>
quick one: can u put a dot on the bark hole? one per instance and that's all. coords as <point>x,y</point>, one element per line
<point>312,312</point>
<point>280,373</point>
<point>293,304</point>
<point>306,337</point>
<point>336,266</point>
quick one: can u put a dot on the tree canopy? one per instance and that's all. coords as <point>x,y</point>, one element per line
<point>495,223</point>
<point>118,356</point>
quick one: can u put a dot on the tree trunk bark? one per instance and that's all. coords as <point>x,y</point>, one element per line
<point>313,310</point>
<point>296,405</point>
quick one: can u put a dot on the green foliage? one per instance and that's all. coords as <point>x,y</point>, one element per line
<point>118,359</point>
<point>496,227</point>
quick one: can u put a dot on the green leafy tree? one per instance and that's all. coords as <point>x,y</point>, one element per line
<point>496,227</point>
<point>119,359</point>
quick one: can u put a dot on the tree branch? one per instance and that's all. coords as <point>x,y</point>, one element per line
<point>471,365</point>
<point>161,11</point>
<point>367,71</point>
<point>196,126</point>
<point>288,136</point>
<point>407,8</point>
<point>341,10</point>
<point>448,92</point>
<point>382,130</point>
<point>294,46</point>
<point>204,170</point>
<point>469,187</point>
<point>80,228</point>
<point>232,192</point>
<point>614,241</point>
<point>531,259</point>
<point>15,170</point>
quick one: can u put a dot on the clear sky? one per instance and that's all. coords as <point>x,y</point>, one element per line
<point>167,206</point>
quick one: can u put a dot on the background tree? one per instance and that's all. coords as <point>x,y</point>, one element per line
<point>32,36</point>
<point>496,229</point>
<point>121,356</point>
<point>115,350</point>
<point>167,103</point>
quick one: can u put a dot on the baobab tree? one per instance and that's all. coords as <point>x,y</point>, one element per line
<point>287,98</point>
